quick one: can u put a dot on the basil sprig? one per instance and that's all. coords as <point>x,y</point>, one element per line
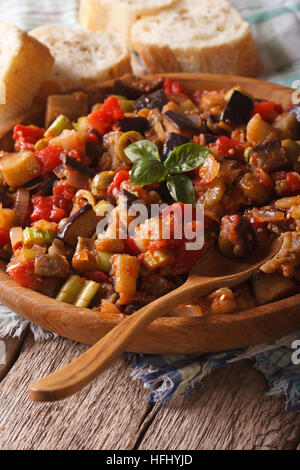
<point>148,167</point>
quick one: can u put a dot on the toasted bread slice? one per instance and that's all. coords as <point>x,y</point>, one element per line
<point>196,36</point>
<point>24,65</point>
<point>82,57</point>
<point>117,16</point>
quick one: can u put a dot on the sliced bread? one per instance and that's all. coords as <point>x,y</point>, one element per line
<point>117,16</point>
<point>196,36</point>
<point>24,65</point>
<point>82,57</point>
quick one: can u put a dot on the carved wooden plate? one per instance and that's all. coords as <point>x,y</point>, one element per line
<point>167,334</point>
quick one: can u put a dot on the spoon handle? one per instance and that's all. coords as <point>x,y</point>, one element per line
<point>81,371</point>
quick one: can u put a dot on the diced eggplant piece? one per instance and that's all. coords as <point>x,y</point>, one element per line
<point>133,87</point>
<point>50,286</point>
<point>84,258</point>
<point>138,124</point>
<point>296,111</point>
<point>78,166</point>
<point>172,141</point>
<point>270,287</point>
<point>51,266</point>
<point>82,224</point>
<point>73,106</point>
<point>210,138</point>
<point>5,200</point>
<point>156,99</point>
<point>46,187</point>
<point>238,110</point>
<point>33,184</point>
<point>94,150</point>
<point>269,155</point>
<point>181,120</point>
<point>287,126</point>
<point>5,255</point>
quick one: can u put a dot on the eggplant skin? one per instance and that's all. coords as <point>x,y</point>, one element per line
<point>139,124</point>
<point>238,110</point>
<point>172,141</point>
<point>181,120</point>
<point>82,224</point>
<point>156,99</point>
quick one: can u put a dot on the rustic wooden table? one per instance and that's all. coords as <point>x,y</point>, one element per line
<point>112,413</point>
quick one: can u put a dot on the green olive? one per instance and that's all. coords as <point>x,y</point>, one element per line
<point>292,150</point>
<point>236,238</point>
<point>101,181</point>
<point>125,140</point>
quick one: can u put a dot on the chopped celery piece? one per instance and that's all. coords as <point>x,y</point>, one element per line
<point>34,236</point>
<point>103,261</point>
<point>56,128</point>
<point>71,289</point>
<point>29,254</point>
<point>157,259</point>
<point>82,124</point>
<point>87,294</point>
<point>102,208</point>
<point>125,104</point>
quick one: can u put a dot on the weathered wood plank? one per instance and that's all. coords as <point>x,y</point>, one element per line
<point>12,348</point>
<point>231,413</point>
<point>105,415</point>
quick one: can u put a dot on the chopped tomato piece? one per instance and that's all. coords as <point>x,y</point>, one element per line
<point>27,136</point>
<point>63,195</point>
<point>293,182</point>
<point>49,158</point>
<point>45,208</point>
<point>4,237</point>
<point>107,116</point>
<point>23,274</point>
<point>120,176</point>
<point>265,179</point>
<point>229,147</point>
<point>173,88</point>
<point>268,110</point>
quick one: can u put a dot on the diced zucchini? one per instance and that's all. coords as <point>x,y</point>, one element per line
<point>270,287</point>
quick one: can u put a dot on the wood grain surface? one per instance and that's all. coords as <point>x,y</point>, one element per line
<point>230,412</point>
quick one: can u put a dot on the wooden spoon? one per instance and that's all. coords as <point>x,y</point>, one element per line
<point>211,272</point>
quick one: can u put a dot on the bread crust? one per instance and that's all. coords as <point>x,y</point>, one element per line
<point>30,62</point>
<point>238,57</point>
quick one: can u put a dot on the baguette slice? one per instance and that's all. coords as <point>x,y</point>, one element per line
<point>24,65</point>
<point>196,36</point>
<point>82,57</point>
<point>117,16</point>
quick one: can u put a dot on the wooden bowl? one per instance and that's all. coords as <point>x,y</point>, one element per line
<point>167,335</point>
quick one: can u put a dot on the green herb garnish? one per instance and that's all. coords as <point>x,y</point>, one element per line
<point>148,167</point>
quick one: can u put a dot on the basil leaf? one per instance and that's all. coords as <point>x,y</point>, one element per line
<point>142,149</point>
<point>187,157</point>
<point>147,171</point>
<point>181,189</point>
